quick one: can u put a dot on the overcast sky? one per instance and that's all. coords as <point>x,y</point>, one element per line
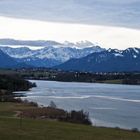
<point>111,23</point>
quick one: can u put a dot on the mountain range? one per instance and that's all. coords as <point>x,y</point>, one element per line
<point>80,56</point>
<point>52,53</point>
<point>111,60</point>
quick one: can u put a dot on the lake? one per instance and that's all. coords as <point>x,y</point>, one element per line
<point>110,105</point>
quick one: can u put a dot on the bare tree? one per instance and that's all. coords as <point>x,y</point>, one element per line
<point>52,105</point>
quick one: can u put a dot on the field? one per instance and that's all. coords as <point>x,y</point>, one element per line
<point>13,128</point>
<point>118,81</point>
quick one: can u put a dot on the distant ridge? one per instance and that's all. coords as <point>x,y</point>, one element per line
<point>8,62</point>
<point>111,60</point>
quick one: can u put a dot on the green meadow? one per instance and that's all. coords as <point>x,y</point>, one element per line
<point>14,128</point>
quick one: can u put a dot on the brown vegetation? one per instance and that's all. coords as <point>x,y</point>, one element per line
<point>37,112</point>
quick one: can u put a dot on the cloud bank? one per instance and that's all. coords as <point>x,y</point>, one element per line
<point>108,37</point>
<point>124,13</point>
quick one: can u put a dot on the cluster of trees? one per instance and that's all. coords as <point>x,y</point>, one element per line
<point>10,83</point>
<point>14,83</point>
<point>125,78</point>
<point>56,75</point>
<point>131,81</point>
<point>77,117</point>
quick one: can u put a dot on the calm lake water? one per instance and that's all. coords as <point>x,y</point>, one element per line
<point>108,104</point>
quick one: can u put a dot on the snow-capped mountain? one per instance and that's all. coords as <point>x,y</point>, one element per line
<point>8,62</point>
<point>81,56</point>
<point>51,54</point>
<point>21,52</point>
<point>111,60</point>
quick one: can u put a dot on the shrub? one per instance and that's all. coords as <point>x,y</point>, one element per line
<point>135,130</point>
<point>77,117</point>
<point>52,105</point>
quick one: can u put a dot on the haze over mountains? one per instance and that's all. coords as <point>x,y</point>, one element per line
<point>81,56</point>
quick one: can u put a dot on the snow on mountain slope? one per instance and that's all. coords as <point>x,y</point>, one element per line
<point>8,62</point>
<point>17,52</point>
<point>111,60</point>
<point>59,53</point>
<point>51,51</point>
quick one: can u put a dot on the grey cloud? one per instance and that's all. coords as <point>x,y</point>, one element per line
<point>123,13</point>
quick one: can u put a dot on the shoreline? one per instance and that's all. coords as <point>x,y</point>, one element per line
<point>129,128</point>
<point>92,119</point>
<point>83,82</point>
<point>31,104</point>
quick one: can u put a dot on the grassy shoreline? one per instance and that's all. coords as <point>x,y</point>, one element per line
<point>14,126</point>
<point>46,129</point>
